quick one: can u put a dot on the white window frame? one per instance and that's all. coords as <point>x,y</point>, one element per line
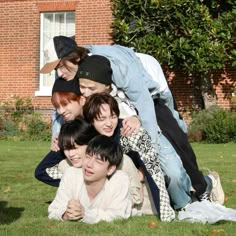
<point>47,90</point>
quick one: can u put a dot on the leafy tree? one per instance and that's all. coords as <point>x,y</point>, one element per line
<point>194,36</point>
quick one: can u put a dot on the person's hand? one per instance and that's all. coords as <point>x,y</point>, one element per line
<point>54,145</point>
<point>74,210</point>
<point>131,125</point>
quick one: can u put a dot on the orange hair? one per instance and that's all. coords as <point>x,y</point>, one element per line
<point>63,98</point>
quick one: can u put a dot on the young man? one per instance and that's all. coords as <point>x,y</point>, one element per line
<point>97,192</point>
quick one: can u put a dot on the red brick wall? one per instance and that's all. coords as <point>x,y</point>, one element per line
<point>187,91</point>
<point>20,34</point>
<point>19,50</point>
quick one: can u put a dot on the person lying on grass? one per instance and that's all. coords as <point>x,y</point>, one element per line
<point>96,192</point>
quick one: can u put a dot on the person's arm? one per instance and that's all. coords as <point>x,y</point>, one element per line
<point>118,201</point>
<point>68,186</point>
<point>57,121</point>
<point>141,143</point>
<point>47,170</point>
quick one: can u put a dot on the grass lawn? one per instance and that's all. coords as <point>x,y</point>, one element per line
<point>24,200</point>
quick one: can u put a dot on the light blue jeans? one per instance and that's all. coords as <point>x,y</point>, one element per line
<point>177,180</point>
<point>57,122</point>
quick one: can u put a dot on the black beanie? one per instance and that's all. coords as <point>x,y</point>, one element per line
<point>96,68</point>
<point>70,86</point>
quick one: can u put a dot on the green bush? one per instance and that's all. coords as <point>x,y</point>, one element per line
<point>36,128</point>
<point>8,129</point>
<point>214,125</point>
<point>18,121</point>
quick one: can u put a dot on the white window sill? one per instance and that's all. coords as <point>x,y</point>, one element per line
<point>41,93</point>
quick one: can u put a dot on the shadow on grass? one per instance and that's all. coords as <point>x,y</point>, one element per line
<point>9,214</point>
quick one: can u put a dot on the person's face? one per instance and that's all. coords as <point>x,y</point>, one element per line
<point>67,70</point>
<point>71,110</point>
<point>89,87</point>
<point>76,155</point>
<point>95,169</point>
<point>107,122</point>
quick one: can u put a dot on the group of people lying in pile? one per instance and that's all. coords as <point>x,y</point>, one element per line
<point>120,147</point>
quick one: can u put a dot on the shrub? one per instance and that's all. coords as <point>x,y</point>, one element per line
<point>8,129</point>
<point>213,125</point>
<point>19,121</point>
<point>36,128</point>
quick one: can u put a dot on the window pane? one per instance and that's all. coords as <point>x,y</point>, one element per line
<point>53,24</point>
<point>60,25</point>
<point>48,31</point>
<point>70,24</point>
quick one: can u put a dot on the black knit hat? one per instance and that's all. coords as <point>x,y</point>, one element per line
<point>57,48</point>
<point>96,68</point>
<point>70,86</point>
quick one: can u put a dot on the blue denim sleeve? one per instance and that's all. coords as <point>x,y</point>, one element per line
<point>57,122</point>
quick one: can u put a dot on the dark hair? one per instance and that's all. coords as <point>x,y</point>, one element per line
<point>92,106</point>
<point>75,57</point>
<point>74,132</point>
<point>106,148</point>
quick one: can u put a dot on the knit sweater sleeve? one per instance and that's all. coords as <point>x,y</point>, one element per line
<point>70,183</point>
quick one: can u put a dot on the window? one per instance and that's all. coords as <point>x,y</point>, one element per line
<point>52,24</point>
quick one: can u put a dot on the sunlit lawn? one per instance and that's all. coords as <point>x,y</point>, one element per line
<point>24,200</point>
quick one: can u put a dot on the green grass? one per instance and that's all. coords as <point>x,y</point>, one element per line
<point>24,200</point>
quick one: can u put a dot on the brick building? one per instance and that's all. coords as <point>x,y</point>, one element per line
<point>26,26</point>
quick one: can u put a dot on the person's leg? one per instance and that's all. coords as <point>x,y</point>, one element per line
<point>167,98</point>
<point>206,187</point>
<point>179,142</point>
<point>153,173</point>
<point>178,182</point>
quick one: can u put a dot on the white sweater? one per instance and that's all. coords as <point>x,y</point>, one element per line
<point>113,202</point>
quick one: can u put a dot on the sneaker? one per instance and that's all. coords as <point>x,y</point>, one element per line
<point>204,196</point>
<point>217,194</point>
